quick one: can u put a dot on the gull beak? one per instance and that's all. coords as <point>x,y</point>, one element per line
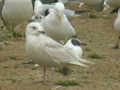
<point>83,44</point>
<point>60,18</point>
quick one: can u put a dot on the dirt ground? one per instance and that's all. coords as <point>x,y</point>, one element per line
<point>100,37</point>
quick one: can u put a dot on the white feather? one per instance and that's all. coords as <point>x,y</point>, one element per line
<point>46,51</point>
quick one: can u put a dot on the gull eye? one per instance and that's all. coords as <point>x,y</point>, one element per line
<point>34,28</point>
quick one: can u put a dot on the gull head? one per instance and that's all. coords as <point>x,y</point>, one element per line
<point>76,41</point>
<point>59,7</point>
<point>34,28</point>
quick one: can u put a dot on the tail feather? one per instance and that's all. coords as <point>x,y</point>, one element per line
<point>86,61</point>
<point>78,63</point>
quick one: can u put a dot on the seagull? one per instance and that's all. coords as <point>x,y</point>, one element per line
<point>41,8</point>
<point>117,25</point>
<point>116,4</point>
<point>56,23</point>
<point>46,51</point>
<point>15,12</point>
<point>74,46</point>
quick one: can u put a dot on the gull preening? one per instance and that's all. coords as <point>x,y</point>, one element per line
<point>45,51</point>
<point>14,12</point>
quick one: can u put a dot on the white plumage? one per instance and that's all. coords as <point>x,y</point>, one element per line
<point>74,46</point>
<point>15,12</point>
<point>117,27</point>
<point>75,49</point>
<point>37,7</point>
<point>56,23</point>
<point>117,22</point>
<point>38,10</point>
<point>45,51</point>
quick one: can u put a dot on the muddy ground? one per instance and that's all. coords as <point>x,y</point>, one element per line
<point>96,30</point>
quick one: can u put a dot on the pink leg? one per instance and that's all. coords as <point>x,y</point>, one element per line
<point>44,73</point>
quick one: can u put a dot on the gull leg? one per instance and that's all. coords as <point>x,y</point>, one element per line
<point>52,75</point>
<point>44,73</point>
<point>44,76</point>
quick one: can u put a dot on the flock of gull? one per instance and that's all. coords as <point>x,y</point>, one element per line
<point>51,39</point>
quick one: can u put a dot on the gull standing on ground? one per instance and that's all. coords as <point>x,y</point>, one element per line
<point>117,26</point>
<point>14,12</point>
<point>45,51</point>
<point>56,23</point>
<point>116,4</point>
<point>74,46</point>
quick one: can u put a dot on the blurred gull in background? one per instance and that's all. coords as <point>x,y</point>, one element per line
<point>14,12</point>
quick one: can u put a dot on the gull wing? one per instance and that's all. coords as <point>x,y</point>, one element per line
<point>57,52</point>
